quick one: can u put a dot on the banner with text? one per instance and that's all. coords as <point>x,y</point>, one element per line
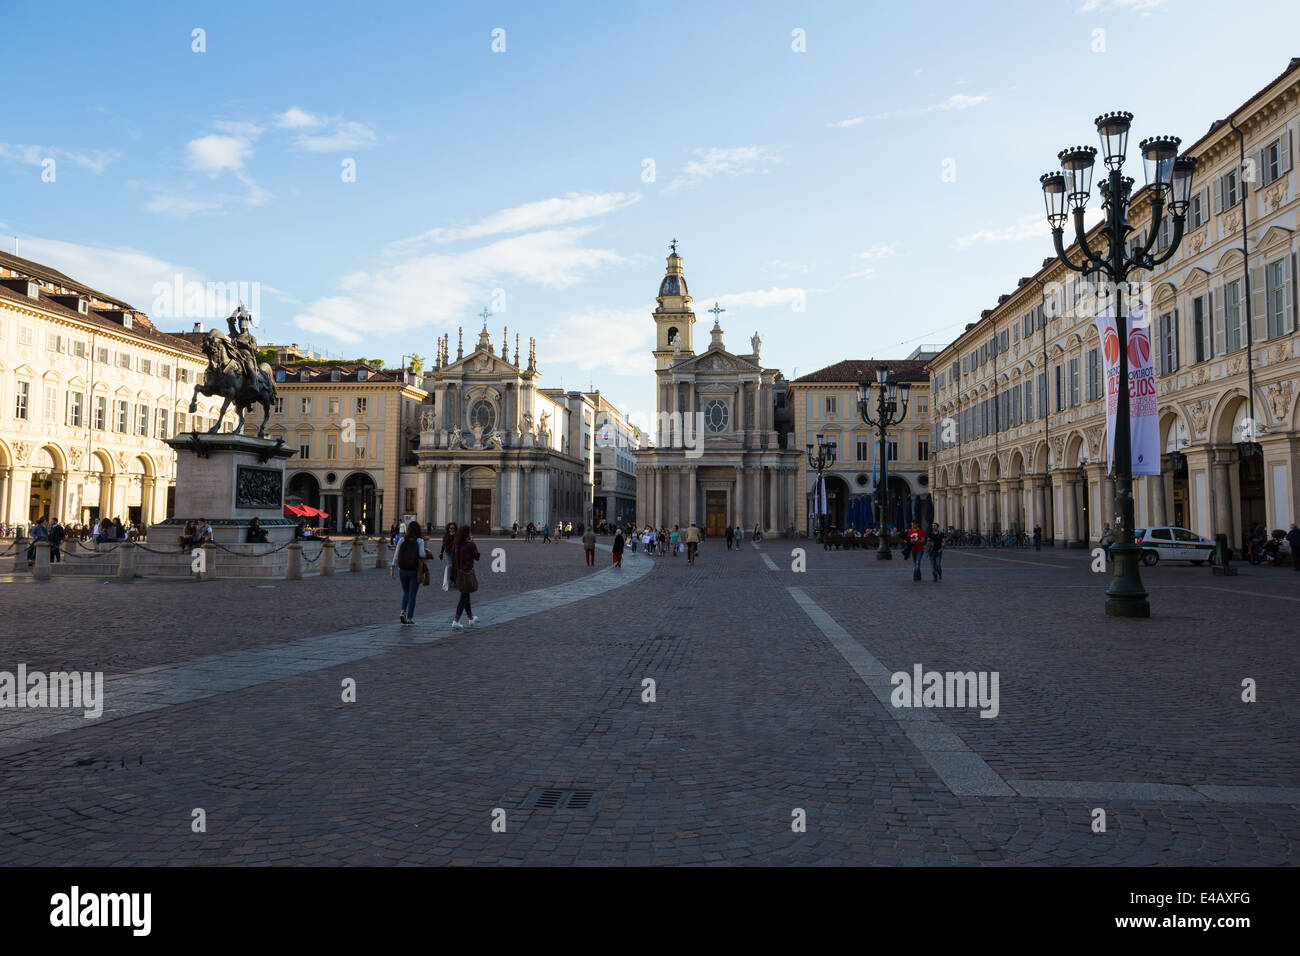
<point>1144,411</point>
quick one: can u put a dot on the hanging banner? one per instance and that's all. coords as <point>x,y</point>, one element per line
<point>1144,409</point>
<point>821,502</point>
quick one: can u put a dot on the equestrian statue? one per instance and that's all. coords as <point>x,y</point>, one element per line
<point>235,373</point>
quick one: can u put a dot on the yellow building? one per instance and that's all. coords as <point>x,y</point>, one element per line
<point>1018,397</point>
<point>88,390</point>
<point>825,403</point>
<point>355,428</point>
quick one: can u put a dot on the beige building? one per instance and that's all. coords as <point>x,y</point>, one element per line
<point>1018,396</point>
<point>825,403</point>
<point>614,464</point>
<point>495,449</point>
<point>88,390</point>
<point>718,457</point>
<point>355,428</point>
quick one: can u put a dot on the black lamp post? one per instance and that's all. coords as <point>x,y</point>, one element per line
<point>819,462</point>
<point>1170,178</point>
<point>888,414</point>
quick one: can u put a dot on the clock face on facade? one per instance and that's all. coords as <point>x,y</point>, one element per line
<point>482,413</point>
<point>716,415</point>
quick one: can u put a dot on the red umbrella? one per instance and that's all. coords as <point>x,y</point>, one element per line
<point>293,511</point>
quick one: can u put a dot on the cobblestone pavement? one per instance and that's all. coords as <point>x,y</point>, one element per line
<point>767,700</point>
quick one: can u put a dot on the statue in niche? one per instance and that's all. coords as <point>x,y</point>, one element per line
<point>477,429</point>
<point>527,422</point>
<point>457,438</point>
<point>495,439</point>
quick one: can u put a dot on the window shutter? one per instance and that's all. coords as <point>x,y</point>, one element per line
<point>1258,305</point>
<point>1260,171</point>
<point>1218,195</point>
<point>1291,298</point>
<point>1176,337</point>
<point>1284,151</point>
<point>1220,339</point>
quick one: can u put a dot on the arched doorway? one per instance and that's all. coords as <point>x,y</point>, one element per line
<point>135,491</point>
<point>97,496</point>
<point>45,472</point>
<point>900,502</point>
<point>837,496</point>
<point>304,489</point>
<point>359,501</point>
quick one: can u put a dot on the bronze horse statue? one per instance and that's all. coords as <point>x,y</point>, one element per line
<point>228,376</point>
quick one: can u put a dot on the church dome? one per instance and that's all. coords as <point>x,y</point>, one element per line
<point>673,284</point>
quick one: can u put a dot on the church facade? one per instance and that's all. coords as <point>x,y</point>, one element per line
<point>495,449</point>
<point>719,456</point>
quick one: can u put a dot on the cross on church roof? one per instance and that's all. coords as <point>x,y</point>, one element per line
<point>716,312</point>
<point>673,245</point>
<point>485,314</point>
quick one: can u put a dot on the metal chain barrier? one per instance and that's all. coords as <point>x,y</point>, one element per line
<point>340,553</point>
<point>315,559</point>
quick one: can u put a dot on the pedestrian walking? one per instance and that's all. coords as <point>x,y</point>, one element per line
<point>935,546</point>
<point>409,562</point>
<point>1038,538</point>
<point>731,536</point>
<point>589,547</point>
<point>464,554</point>
<point>618,548</point>
<point>916,543</point>
<point>444,556</point>
<point>676,539</point>
<point>1293,539</point>
<point>546,533</point>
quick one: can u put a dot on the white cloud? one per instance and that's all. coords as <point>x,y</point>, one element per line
<point>436,289</point>
<point>215,154</point>
<point>724,161</point>
<point>785,269</point>
<point>93,159</point>
<point>958,101</point>
<point>867,273</point>
<point>544,213</point>
<point>878,252</point>
<point>346,134</point>
<point>122,272</point>
<point>1032,226</point>
<point>762,298</point>
<point>617,341</point>
<point>294,118</point>
<point>845,124</point>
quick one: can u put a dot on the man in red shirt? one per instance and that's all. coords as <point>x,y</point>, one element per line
<point>917,539</point>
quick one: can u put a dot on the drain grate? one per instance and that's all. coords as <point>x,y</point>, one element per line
<point>553,798</point>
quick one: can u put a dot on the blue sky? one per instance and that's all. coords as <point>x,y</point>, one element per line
<point>806,189</point>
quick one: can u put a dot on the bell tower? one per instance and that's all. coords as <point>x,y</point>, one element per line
<point>673,317</point>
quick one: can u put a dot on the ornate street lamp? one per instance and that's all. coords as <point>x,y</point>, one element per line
<point>1169,176</point>
<point>888,414</point>
<point>819,462</point>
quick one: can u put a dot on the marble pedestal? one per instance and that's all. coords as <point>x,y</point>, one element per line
<point>229,478</point>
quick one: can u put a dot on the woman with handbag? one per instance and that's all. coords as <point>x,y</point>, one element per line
<point>444,556</point>
<point>409,563</point>
<point>464,553</point>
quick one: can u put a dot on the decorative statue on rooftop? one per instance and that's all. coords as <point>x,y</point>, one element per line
<point>235,373</point>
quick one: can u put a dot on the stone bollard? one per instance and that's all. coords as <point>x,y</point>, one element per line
<point>354,562</point>
<point>327,559</point>
<point>209,563</point>
<point>41,569</point>
<point>293,569</point>
<point>125,561</point>
<point>20,556</point>
<point>381,549</point>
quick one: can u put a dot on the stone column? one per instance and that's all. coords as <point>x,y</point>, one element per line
<point>1042,487</point>
<point>771,507</point>
<point>1071,504</point>
<point>1221,490</point>
<point>740,495</point>
<point>694,493</point>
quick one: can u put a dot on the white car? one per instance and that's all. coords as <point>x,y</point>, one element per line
<point>1172,544</point>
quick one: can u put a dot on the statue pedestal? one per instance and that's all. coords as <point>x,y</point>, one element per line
<point>230,478</point>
